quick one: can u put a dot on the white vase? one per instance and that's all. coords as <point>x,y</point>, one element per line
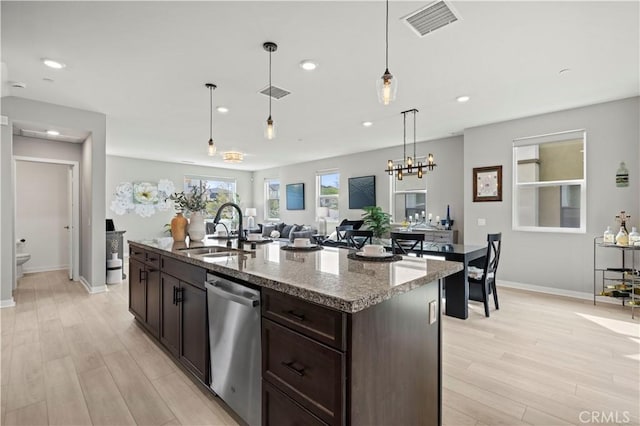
<point>196,228</point>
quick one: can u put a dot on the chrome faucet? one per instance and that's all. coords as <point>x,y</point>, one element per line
<point>237,207</point>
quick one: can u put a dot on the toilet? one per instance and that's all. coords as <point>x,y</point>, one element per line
<point>21,257</point>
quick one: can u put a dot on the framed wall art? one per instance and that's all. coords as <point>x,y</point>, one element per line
<point>295,196</point>
<point>362,192</point>
<point>487,183</point>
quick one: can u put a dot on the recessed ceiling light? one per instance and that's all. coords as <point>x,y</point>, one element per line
<point>53,133</point>
<point>367,123</point>
<point>308,65</point>
<point>463,99</point>
<point>222,109</point>
<point>564,71</point>
<point>53,64</point>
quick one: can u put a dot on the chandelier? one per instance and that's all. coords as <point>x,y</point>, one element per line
<point>409,164</point>
<point>232,157</point>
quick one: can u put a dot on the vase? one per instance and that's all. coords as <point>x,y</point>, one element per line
<point>196,227</point>
<point>179,227</point>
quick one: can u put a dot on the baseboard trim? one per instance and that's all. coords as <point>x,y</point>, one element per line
<point>90,289</point>
<point>44,269</point>
<point>7,303</point>
<point>555,291</point>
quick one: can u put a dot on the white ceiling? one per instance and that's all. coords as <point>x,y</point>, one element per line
<point>144,65</point>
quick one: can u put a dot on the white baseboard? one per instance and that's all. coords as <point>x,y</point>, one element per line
<point>91,289</point>
<point>44,269</point>
<point>555,291</point>
<point>7,303</point>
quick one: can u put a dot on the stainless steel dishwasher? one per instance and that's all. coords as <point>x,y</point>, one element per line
<point>234,338</point>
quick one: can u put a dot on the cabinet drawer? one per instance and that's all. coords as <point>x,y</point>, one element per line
<point>311,373</point>
<point>442,238</point>
<point>323,324</point>
<point>280,410</point>
<point>147,257</point>
<point>137,253</point>
<point>185,272</point>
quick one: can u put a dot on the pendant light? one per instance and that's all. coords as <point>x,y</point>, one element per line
<point>270,130</point>
<point>212,147</point>
<point>387,85</point>
<point>409,163</point>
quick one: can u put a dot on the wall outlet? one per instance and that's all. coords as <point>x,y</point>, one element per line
<point>482,221</point>
<point>433,312</point>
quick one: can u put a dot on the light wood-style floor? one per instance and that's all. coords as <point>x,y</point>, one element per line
<point>70,358</point>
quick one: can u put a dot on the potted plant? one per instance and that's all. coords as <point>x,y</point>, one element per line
<point>377,220</point>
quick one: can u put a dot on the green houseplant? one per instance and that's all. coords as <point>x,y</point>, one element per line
<point>377,220</point>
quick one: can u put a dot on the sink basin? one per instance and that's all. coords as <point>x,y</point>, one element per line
<point>212,251</point>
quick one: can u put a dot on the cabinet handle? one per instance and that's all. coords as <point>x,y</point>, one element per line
<point>152,259</point>
<point>150,270</point>
<point>292,314</point>
<point>179,295</point>
<point>290,367</point>
<point>175,296</point>
<point>143,275</point>
<point>136,253</point>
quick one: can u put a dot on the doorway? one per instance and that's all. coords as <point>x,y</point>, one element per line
<point>47,213</point>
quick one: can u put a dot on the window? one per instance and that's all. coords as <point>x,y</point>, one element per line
<point>220,191</point>
<point>549,183</point>
<point>409,197</point>
<point>272,199</point>
<point>327,193</point>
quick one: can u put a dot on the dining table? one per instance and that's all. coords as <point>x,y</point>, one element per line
<point>456,286</point>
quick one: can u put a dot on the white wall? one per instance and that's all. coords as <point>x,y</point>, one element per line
<point>444,184</point>
<point>7,242</point>
<point>562,261</point>
<point>122,169</point>
<point>42,148</point>
<point>92,265</point>
<point>42,213</point>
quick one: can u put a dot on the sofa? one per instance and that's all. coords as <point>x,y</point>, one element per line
<point>286,232</point>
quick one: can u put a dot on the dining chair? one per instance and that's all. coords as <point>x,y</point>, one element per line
<point>341,232</point>
<point>358,238</point>
<point>487,280</point>
<point>407,242</point>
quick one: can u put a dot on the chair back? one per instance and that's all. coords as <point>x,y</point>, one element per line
<point>342,231</point>
<point>358,238</point>
<point>405,242</point>
<point>494,245</point>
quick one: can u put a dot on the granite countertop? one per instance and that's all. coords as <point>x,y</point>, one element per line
<point>326,277</point>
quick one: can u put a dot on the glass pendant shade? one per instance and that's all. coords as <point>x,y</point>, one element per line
<point>212,148</point>
<point>387,86</point>
<point>269,129</point>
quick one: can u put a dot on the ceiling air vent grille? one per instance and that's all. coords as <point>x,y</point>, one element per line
<point>431,17</point>
<point>276,92</point>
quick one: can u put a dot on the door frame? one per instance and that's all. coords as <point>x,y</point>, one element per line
<point>75,211</point>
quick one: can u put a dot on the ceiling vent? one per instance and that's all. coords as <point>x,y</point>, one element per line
<point>431,17</point>
<point>276,92</point>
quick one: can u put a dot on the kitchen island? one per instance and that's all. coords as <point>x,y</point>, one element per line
<point>344,341</point>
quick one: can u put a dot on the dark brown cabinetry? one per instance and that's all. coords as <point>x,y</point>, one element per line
<point>144,288</point>
<point>379,366</point>
<point>184,315</point>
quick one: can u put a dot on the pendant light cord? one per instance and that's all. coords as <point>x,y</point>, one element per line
<point>270,84</point>
<point>210,113</point>
<point>414,135</point>
<point>387,39</point>
<point>404,151</point>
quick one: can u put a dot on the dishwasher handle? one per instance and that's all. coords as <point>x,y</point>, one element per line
<point>215,288</point>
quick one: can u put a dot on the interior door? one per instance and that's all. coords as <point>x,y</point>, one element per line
<point>69,226</point>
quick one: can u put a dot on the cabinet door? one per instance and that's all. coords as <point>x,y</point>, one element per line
<point>169,314</point>
<point>194,342</point>
<point>137,289</point>
<point>153,300</point>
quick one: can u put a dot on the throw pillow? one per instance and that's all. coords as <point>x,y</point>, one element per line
<point>294,229</point>
<point>267,229</point>
<point>286,230</point>
<point>280,226</point>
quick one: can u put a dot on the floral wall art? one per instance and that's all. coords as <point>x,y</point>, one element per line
<point>142,198</point>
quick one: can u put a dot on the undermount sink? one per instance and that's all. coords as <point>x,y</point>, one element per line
<point>212,251</point>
